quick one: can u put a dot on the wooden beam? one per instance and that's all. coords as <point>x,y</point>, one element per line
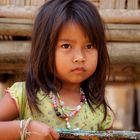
<point>17,12</point>
<point>120,53</point>
<point>120,4</point>
<point>28,3</point>
<point>115,32</point>
<point>124,74</point>
<point>15,29</point>
<point>107,4</point>
<point>121,16</point>
<point>125,70</point>
<point>123,32</point>
<point>13,68</point>
<point>132,4</point>
<point>109,15</point>
<point>124,53</point>
<point>125,59</point>
<point>16,21</point>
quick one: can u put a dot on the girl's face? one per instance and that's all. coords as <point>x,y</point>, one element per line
<point>75,56</point>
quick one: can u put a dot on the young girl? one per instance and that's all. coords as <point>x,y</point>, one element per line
<point>65,83</point>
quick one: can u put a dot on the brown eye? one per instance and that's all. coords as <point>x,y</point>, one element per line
<point>66,46</point>
<point>89,46</point>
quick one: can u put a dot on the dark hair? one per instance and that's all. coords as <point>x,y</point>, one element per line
<point>41,73</point>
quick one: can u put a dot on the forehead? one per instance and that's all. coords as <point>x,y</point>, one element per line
<point>73,31</point>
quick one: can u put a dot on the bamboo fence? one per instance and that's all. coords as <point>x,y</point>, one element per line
<point>122,18</point>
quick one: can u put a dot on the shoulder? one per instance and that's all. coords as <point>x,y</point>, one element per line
<point>18,86</point>
<point>18,93</point>
<point>17,89</point>
<point>12,101</point>
<point>108,122</point>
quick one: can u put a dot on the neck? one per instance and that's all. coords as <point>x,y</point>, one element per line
<point>73,88</point>
<point>70,94</point>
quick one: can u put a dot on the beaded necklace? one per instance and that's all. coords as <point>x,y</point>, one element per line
<point>71,114</point>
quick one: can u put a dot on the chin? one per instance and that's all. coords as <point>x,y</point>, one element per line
<point>77,80</point>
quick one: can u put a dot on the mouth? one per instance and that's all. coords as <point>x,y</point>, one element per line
<point>79,69</point>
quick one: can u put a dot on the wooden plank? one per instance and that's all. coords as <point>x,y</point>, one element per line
<point>120,16</point>
<point>12,68</point>
<point>13,58</point>
<point>2,2</point>
<point>123,32</point>
<point>16,21</point>
<point>14,52</point>
<point>125,35</point>
<point>128,35</point>
<point>13,2</point>
<point>109,15</point>
<point>132,4</point>
<point>15,29</point>
<point>20,2</point>
<point>40,2</point>
<point>7,2</point>
<point>123,70</point>
<point>119,52</point>
<point>28,3</point>
<point>17,12</point>
<point>124,53</point>
<point>37,3</point>
<point>107,4</point>
<point>120,4</point>
<point>17,2</point>
<point>115,32</point>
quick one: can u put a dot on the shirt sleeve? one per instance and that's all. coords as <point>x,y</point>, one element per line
<point>107,123</point>
<point>17,92</point>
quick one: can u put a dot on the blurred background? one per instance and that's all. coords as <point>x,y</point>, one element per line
<point>122,18</point>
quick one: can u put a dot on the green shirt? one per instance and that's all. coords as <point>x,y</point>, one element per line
<point>85,117</point>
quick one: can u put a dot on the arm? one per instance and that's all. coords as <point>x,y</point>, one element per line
<point>9,130</point>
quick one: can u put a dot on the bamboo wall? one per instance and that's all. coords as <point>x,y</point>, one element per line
<point>122,18</point>
<point>102,4</point>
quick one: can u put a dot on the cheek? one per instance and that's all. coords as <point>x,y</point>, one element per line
<point>61,61</point>
<point>92,63</point>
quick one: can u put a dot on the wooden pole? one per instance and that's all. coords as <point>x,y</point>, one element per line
<point>109,15</point>
<point>125,59</point>
<point>120,53</point>
<point>15,29</point>
<point>121,16</point>
<point>123,32</point>
<point>120,4</point>
<point>115,32</point>
<point>132,4</point>
<point>107,4</point>
<point>124,53</point>
<point>17,12</point>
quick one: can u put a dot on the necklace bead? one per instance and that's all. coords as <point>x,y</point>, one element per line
<point>64,115</point>
<point>58,113</point>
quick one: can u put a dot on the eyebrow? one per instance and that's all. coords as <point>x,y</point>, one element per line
<point>67,40</point>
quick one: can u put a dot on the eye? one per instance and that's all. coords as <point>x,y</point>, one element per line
<point>66,46</point>
<point>89,46</point>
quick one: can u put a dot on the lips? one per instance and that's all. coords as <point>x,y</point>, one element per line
<point>79,69</point>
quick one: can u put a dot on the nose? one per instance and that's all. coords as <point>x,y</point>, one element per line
<point>79,56</point>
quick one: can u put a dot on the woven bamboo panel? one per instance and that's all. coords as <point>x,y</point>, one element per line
<point>22,2</point>
<point>119,4</point>
<point>102,4</point>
